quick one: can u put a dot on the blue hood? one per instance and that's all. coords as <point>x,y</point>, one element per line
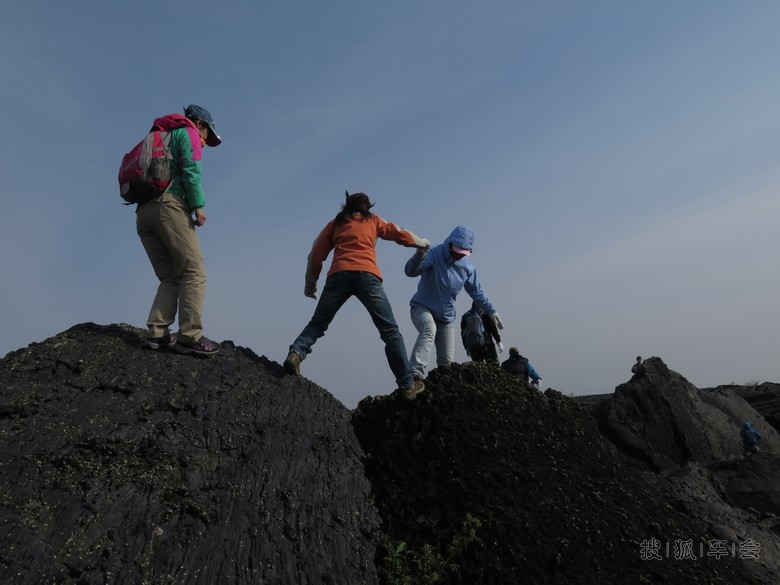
<point>462,236</point>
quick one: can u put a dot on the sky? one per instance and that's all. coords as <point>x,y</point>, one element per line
<point>617,160</point>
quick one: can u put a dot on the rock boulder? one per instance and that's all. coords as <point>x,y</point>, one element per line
<point>124,465</point>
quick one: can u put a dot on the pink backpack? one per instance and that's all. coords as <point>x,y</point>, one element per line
<point>145,172</point>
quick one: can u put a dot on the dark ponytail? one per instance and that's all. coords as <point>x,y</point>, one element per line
<point>355,203</point>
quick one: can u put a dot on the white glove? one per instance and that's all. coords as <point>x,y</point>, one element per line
<point>421,242</point>
<point>497,320</point>
<point>500,347</point>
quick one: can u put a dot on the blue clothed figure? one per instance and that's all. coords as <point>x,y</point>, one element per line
<point>750,438</point>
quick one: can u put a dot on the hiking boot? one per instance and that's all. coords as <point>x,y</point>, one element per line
<point>411,392</point>
<point>204,346</point>
<point>292,365</point>
<point>164,342</point>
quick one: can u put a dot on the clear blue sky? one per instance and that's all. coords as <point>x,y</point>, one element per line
<point>618,162</point>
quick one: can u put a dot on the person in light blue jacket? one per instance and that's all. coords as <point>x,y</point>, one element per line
<point>444,271</point>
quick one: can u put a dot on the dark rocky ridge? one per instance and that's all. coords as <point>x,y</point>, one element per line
<point>765,398</point>
<point>687,441</point>
<point>664,420</point>
<point>123,465</point>
<point>558,503</point>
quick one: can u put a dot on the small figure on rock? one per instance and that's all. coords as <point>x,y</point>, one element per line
<point>353,234</point>
<point>638,368</point>
<point>480,336</point>
<point>750,439</point>
<point>517,365</point>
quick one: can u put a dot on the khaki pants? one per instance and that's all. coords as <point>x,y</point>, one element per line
<point>169,238</point>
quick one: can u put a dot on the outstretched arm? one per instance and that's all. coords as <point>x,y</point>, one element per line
<point>320,249</point>
<point>390,231</point>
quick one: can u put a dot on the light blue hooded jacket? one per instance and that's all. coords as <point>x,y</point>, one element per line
<point>441,278</point>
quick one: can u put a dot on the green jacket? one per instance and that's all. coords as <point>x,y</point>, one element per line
<point>186,152</point>
<point>187,182</point>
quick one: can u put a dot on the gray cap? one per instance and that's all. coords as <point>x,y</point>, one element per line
<point>194,112</point>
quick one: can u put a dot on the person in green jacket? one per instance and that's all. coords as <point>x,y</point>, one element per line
<point>166,226</point>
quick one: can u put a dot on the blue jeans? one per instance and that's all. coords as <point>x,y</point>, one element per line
<point>431,331</point>
<point>369,291</point>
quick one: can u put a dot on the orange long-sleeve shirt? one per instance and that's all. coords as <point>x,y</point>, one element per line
<point>354,243</point>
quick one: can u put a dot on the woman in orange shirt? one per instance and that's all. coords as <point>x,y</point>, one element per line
<point>353,234</point>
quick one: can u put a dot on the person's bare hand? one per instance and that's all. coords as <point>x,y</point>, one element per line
<point>200,217</point>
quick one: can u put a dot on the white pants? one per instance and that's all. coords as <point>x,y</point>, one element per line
<point>431,331</point>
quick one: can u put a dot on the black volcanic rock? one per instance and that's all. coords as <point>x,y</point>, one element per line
<point>752,483</point>
<point>689,441</point>
<point>555,501</point>
<point>662,419</point>
<point>764,398</point>
<point>119,464</point>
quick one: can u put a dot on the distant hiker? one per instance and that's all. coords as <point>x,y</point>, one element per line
<point>166,226</point>
<point>444,270</point>
<point>480,336</point>
<point>638,368</point>
<point>750,438</point>
<point>517,365</point>
<point>354,271</point>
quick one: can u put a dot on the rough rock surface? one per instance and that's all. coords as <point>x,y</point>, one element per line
<point>765,398</point>
<point>687,441</point>
<point>661,418</point>
<point>556,502</point>
<point>120,465</point>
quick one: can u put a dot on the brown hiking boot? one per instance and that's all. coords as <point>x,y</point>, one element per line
<point>411,392</point>
<point>292,365</point>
